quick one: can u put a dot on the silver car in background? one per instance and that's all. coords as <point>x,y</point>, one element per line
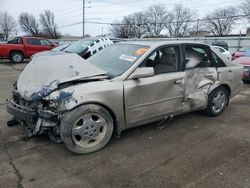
<point>224,52</point>
<point>125,85</point>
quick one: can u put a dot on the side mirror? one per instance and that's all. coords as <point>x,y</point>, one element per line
<point>51,45</point>
<point>142,73</point>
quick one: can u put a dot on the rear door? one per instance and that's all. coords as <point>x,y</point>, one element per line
<point>147,99</point>
<point>33,45</point>
<point>201,74</point>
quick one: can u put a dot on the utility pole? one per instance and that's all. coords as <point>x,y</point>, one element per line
<point>197,27</point>
<point>83,18</point>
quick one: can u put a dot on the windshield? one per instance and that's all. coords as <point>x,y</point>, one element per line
<point>116,59</point>
<point>79,46</point>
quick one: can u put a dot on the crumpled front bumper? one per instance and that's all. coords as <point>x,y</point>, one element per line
<point>21,113</point>
<point>35,121</point>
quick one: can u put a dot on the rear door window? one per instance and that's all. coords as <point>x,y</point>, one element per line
<point>197,56</point>
<point>32,41</point>
<point>218,61</point>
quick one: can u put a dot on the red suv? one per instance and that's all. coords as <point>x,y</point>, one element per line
<point>23,47</point>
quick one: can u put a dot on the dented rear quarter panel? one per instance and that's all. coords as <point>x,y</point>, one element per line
<point>231,75</point>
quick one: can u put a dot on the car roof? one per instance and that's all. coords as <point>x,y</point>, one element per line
<point>155,43</point>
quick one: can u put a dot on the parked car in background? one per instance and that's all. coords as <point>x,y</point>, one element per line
<point>89,46</point>
<point>245,61</point>
<point>24,47</point>
<point>53,51</point>
<point>241,52</point>
<point>84,48</point>
<point>224,52</point>
<point>124,85</point>
<point>222,44</point>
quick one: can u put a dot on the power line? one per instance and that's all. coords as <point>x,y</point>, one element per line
<point>185,21</point>
<point>115,4</point>
<point>111,12</point>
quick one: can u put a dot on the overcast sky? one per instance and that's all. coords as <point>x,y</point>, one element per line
<point>70,11</point>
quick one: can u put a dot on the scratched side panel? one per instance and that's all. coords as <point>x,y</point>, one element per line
<point>198,82</point>
<point>152,97</point>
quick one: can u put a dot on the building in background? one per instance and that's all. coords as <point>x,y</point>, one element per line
<point>200,33</point>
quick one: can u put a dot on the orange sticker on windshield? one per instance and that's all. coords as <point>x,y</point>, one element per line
<point>140,51</point>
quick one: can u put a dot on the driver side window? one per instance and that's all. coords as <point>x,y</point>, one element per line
<point>164,60</point>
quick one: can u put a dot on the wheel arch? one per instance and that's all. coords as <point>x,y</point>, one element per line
<point>226,86</point>
<point>11,51</point>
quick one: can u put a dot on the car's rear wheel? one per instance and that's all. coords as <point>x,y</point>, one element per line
<point>16,57</point>
<point>86,129</point>
<point>217,101</point>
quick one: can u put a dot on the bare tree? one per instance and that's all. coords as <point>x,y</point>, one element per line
<point>29,24</point>
<point>7,24</point>
<point>157,16</point>
<point>181,21</point>
<point>245,8</point>
<point>137,24</point>
<point>133,25</point>
<point>221,21</point>
<point>121,29</point>
<point>49,27</point>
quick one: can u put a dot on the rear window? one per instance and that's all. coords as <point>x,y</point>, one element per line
<point>218,61</point>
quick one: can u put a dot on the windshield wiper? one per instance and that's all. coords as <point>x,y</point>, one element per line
<point>67,51</point>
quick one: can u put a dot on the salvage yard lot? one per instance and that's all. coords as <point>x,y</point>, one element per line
<point>192,150</point>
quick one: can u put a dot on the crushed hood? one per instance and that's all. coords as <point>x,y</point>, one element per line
<point>44,73</point>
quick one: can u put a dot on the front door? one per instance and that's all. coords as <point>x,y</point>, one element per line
<point>148,99</point>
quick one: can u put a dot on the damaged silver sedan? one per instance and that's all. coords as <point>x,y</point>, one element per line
<point>82,103</point>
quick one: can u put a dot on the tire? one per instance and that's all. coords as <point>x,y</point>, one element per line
<point>86,129</point>
<point>217,101</point>
<point>16,57</point>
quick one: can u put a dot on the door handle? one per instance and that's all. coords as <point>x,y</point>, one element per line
<point>230,71</point>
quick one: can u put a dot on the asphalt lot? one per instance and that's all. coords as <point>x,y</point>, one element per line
<point>192,150</point>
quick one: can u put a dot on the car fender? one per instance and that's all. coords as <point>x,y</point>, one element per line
<point>218,84</point>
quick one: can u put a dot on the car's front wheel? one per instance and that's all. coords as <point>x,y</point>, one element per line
<point>86,129</point>
<point>217,101</point>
